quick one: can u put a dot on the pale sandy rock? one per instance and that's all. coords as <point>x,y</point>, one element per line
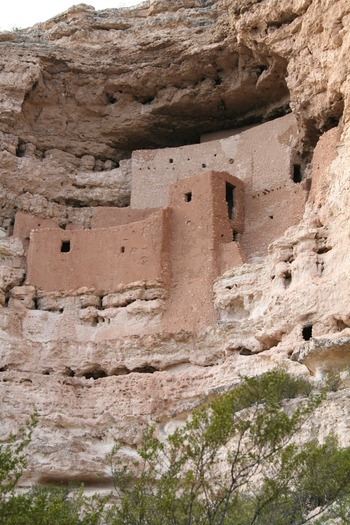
<point>322,355</point>
<point>22,297</point>
<point>78,94</point>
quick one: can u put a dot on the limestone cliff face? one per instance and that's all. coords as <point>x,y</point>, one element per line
<point>80,93</point>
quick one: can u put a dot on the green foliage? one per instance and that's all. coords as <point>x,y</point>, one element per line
<point>234,462</point>
<point>52,506</point>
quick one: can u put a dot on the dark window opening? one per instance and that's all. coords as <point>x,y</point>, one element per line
<point>122,249</point>
<point>11,227</point>
<point>230,199</point>
<point>111,99</point>
<point>204,165</point>
<point>234,235</point>
<point>307,332</point>
<point>7,298</point>
<point>171,161</point>
<point>65,246</point>
<point>188,196</point>
<point>287,276</point>
<point>297,176</point>
<point>20,150</point>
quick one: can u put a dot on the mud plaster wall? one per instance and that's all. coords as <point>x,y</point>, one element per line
<point>198,226</point>
<point>105,216</point>
<point>25,223</point>
<point>100,258</point>
<point>261,156</point>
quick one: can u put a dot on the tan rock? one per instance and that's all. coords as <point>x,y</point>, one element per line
<point>83,91</point>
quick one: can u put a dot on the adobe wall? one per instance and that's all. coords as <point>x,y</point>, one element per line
<point>26,222</point>
<point>106,217</point>
<point>261,156</point>
<point>269,213</point>
<point>198,225</point>
<point>102,258</point>
<point>153,171</point>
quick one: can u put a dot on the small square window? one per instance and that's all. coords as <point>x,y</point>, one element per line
<point>65,246</point>
<point>188,196</point>
<point>122,249</point>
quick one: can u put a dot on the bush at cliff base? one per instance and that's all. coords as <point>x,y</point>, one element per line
<point>237,461</point>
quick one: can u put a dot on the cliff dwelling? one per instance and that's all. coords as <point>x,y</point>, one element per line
<point>208,207</point>
<point>175,211</point>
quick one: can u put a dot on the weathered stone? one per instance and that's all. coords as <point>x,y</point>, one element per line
<point>79,94</point>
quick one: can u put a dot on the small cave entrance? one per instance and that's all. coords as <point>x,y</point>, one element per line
<point>94,373</point>
<point>147,369</point>
<point>307,332</point>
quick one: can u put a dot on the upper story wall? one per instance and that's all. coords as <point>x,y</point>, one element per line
<point>101,259</point>
<point>107,216</point>
<point>262,156</point>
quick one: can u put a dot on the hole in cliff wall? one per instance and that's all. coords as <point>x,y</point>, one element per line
<point>110,99</point>
<point>261,68</point>
<point>3,368</point>
<point>287,279</point>
<point>20,150</point>
<point>323,249</point>
<point>340,325</point>
<point>95,373</point>
<point>68,372</point>
<point>145,370</point>
<point>11,227</point>
<point>334,113</point>
<point>122,249</point>
<point>307,332</point>
<point>65,246</point>
<point>146,99</point>
<point>188,196</point>
<point>7,298</point>
<point>245,351</point>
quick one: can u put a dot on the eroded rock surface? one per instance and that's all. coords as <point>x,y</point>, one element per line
<point>81,92</point>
